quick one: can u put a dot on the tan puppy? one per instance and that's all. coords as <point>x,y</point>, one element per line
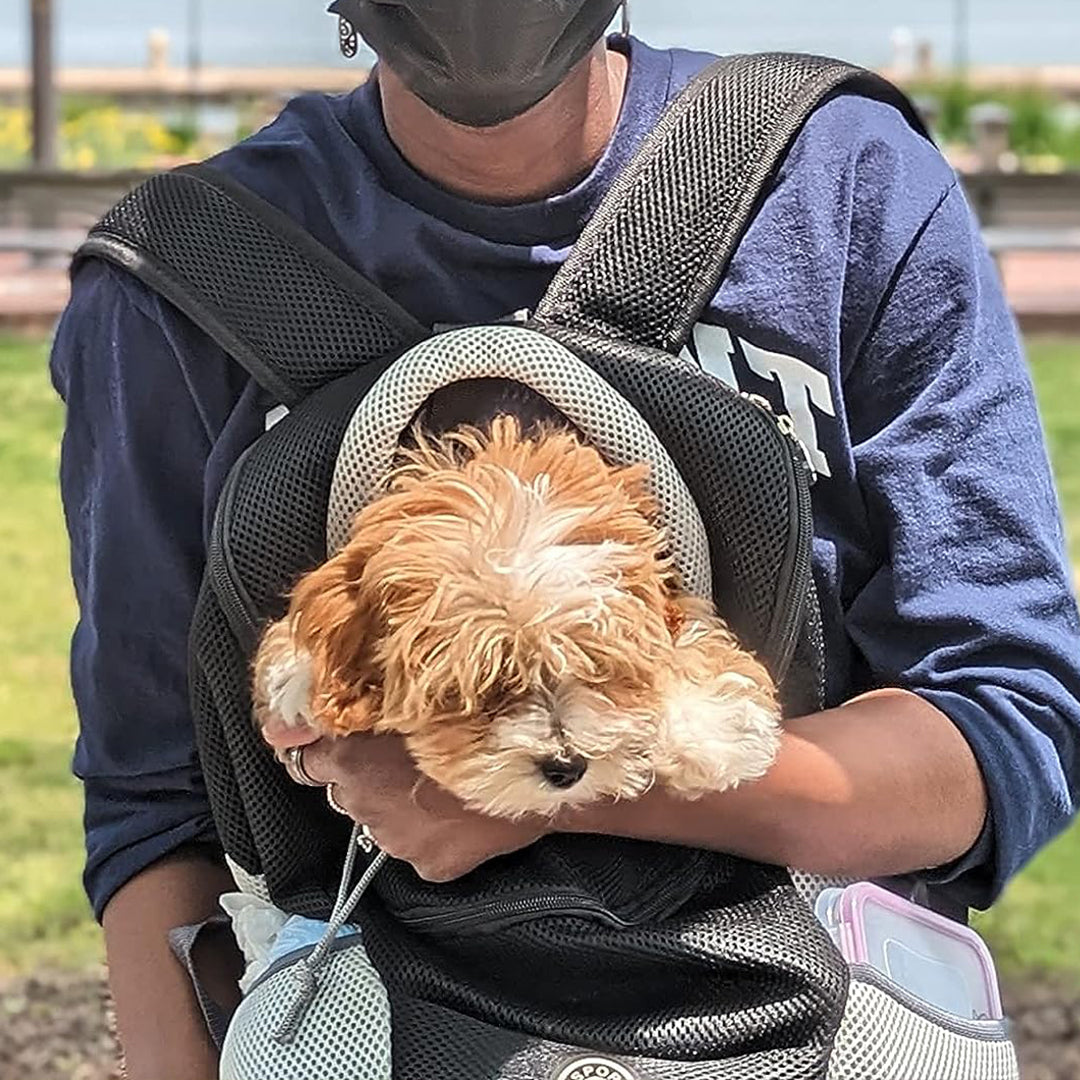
<point>509,608</point>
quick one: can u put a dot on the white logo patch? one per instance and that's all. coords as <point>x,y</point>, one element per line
<point>800,384</point>
<point>595,1068</point>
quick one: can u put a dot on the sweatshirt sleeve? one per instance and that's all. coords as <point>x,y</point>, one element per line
<point>134,451</point>
<point>972,606</point>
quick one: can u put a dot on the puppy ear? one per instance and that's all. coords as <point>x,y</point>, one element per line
<point>337,629</point>
<point>720,720</point>
<point>282,690</point>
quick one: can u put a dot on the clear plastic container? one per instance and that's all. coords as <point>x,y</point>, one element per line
<point>937,960</point>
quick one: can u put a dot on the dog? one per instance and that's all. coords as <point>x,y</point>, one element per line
<point>508,607</point>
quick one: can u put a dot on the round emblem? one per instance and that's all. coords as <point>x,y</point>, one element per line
<point>595,1068</point>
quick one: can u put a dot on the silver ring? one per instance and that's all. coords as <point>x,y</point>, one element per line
<point>294,766</point>
<point>366,841</point>
<point>334,804</point>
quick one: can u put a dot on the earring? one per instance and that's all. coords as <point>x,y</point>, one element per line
<point>347,39</point>
<point>626,18</point>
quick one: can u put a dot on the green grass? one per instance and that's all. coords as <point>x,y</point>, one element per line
<point>1055,366</point>
<point>43,915</point>
<point>1036,925</point>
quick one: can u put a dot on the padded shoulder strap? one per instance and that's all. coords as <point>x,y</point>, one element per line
<point>287,309</point>
<point>653,255</point>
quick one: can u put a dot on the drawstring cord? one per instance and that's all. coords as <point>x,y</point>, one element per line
<point>306,970</point>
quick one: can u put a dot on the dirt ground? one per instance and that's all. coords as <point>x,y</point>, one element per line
<point>56,1027</point>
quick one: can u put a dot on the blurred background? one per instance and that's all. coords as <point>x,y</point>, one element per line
<point>95,94</point>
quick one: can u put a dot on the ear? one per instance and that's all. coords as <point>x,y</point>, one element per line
<point>337,628</point>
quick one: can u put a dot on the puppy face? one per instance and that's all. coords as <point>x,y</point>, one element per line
<point>507,607</point>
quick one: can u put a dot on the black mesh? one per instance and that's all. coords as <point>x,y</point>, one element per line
<point>663,956</point>
<point>632,948</point>
<point>632,880</point>
<point>272,528</point>
<point>433,1041</point>
<point>277,526</point>
<point>806,684</point>
<point>653,255</point>
<point>748,488</point>
<point>210,636</point>
<point>287,309</point>
<point>267,824</point>
<point>735,971</point>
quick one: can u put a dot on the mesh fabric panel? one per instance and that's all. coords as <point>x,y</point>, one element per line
<point>344,1036</point>
<point>431,1042</point>
<point>881,1039</point>
<point>510,352</point>
<point>273,512</point>
<point>652,256</point>
<point>292,313</point>
<point>267,824</point>
<point>736,970</point>
<point>632,880</point>
<point>746,488</point>
<point>210,633</point>
<point>277,526</point>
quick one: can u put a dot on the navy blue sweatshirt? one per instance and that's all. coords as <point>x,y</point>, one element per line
<point>861,301</point>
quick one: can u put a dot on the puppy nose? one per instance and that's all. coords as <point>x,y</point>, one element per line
<point>563,772</point>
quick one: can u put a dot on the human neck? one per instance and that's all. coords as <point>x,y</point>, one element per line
<point>540,153</point>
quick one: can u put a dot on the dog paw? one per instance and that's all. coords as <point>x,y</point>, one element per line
<point>715,737</point>
<point>283,687</point>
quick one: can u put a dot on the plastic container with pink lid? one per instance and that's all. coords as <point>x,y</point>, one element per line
<point>937,960</point>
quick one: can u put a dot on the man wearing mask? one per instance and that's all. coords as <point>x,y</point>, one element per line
<point>861,302</point>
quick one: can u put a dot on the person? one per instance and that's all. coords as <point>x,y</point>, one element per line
<point>861,301</point>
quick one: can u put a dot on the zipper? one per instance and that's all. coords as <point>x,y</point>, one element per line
<point>795,601</point>
<point>238,608</point>
<point>786,427</point>
<point>498,914</point>
<point>495,915</point>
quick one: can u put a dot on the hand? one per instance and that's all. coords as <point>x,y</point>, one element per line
<point>410,817</point>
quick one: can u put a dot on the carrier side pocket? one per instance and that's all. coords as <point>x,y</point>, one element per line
<point>887,1034</point>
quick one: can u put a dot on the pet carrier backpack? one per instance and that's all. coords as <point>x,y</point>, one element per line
<point>581,957</point>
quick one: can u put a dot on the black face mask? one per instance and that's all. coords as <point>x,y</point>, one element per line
<point>480,62</point>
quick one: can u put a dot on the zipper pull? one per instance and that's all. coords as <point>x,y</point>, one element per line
<point>786,426</point>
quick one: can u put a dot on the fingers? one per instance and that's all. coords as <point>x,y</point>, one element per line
<point>281,735</point>
<point>319,761</point>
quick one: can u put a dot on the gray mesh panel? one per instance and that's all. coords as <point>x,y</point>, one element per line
<point>344,1036</point>
<point>811,886</point>
<point>510,352</point>
<point>881,1039</point>
<point>252,884</point>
